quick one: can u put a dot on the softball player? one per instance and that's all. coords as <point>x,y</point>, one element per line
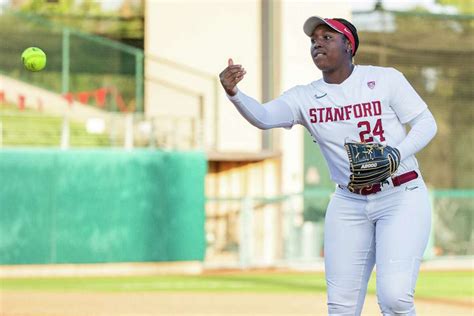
<point>369,221</point>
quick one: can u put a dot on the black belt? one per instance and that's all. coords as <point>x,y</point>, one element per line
<point>377,187</point>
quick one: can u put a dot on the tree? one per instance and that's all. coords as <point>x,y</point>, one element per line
<point>464,6</point>
<point>123,22</point>
<point>48,6</point>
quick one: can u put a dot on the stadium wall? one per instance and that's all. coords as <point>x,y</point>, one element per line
<point>98,206</point>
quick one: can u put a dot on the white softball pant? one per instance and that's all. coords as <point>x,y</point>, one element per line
<point>389,229</point>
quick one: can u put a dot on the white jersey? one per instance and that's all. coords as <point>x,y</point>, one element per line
<point>371,105</point>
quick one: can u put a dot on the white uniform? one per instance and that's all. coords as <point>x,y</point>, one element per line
<point>371,105</point>
<point>388,228</point>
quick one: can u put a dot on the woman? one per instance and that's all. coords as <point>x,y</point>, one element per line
<point>386,224</point>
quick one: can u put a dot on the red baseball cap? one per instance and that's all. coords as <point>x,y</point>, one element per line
<point>314,21</point>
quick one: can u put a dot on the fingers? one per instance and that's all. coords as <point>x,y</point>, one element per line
<point>238,77</point>
<point>231,76</point>
<point>234,71</point>
<point>230,70</point>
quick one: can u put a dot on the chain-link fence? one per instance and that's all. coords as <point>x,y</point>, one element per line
<point>33,128</point>
<point>453,222</point>
<point>84,95</point>
<point>253,232</point>
<point>82,67</point>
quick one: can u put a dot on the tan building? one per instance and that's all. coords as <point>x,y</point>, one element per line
<point>187,44</point>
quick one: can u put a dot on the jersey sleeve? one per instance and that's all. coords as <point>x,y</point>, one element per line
<point>404,100</point>
<point>423,129</point>
<point>293,98</point>
<point>275,113</point>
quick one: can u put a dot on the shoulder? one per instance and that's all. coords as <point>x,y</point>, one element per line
<point>378,70</point>
<point>388,77</point>
<point>310,86</point>
<point>304,88</point>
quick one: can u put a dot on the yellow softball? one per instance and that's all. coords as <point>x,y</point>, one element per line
<point>33,58</point>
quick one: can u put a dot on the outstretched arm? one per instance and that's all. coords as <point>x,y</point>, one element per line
<point>276,113</point>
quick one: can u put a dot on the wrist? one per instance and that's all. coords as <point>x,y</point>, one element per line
<point>400,152</point>
<point>231,93</point>
<point>234,95</point>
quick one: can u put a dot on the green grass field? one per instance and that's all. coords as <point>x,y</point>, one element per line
<point>35,129</point>
<point>449,285</point>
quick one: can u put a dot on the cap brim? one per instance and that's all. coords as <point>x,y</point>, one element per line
<point>313,22</point>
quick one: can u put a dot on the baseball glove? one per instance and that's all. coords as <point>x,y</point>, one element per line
<point>371,163</point>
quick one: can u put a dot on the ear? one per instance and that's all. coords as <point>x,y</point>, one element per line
<point>349,49</point>
<point>348,45</point>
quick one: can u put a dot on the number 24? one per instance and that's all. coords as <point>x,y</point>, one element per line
<point>367,131</point>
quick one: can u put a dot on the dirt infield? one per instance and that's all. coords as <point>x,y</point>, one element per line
<point>19,303</point>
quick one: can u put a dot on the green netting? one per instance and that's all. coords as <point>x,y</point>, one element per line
<point>91,69</point>
<point>436,54</point>
<point>86,206</point>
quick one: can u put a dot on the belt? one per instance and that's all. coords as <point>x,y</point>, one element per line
<point>397,181</point>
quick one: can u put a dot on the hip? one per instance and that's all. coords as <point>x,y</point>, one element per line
<point>411,181</point>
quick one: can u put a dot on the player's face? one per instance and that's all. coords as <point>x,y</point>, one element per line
<point>328,48</point>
